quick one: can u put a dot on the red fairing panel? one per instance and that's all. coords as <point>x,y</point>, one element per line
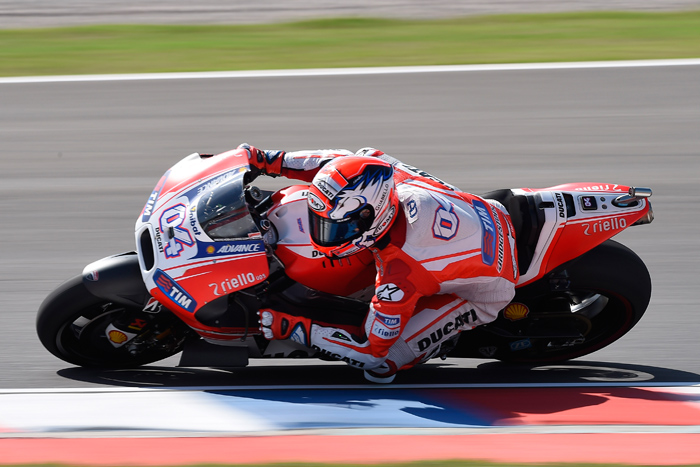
<point>188,269</point>
<point>581,217</point>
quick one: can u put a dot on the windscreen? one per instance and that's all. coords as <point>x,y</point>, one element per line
<point>223,213</point>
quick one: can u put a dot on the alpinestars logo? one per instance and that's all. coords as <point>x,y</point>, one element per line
<point>389,293</point>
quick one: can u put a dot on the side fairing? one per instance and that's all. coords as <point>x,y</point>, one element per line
<point>181,265</point>
<point>578,217</point>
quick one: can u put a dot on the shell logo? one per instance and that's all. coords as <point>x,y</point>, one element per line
<point>210,249</point>
<point>117,337</point>
<point>516,311</point>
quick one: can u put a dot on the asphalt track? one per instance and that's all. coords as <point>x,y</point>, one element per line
<point>79,160</point>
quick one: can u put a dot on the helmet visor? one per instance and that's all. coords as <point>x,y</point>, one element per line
<point>335,232</point>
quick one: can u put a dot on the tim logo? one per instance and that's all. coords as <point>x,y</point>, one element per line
<point>173,291</point>
<point>386,326</point>
<point>179,236</point>
<point>488,239</point>
<point>389,321</point>
<point>150,204</point>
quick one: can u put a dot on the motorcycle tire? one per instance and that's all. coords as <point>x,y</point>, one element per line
<point>71,324</point>
<point>608,290</point>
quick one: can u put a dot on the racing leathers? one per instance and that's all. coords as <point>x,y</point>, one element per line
<point>447,265</point>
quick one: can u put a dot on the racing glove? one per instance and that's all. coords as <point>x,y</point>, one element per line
<point>263,162</point>
<point>276,325</point>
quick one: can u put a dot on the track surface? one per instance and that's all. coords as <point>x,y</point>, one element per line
<point>78,160</point>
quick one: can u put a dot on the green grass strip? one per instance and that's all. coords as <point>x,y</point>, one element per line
<point>351,43</point>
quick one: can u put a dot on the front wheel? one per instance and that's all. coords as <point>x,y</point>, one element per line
<point>74,326</point>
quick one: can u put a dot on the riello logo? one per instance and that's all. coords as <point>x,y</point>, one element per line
<point>615,223</point>
<point>234,283</point>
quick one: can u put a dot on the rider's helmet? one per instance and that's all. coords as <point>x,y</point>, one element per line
<point>352,203</point>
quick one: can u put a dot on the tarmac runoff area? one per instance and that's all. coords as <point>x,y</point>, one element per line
<point>567,423</point>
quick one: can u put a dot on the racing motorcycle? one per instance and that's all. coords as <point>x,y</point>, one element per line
<point>211,250</point>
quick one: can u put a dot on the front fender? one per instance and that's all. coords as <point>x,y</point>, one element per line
<point>117,278</point>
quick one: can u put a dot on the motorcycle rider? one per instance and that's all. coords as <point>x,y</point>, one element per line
<point>445,259</point>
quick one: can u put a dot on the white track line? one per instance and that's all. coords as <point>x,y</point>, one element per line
<point>350,71</point>
<point>87,390</point>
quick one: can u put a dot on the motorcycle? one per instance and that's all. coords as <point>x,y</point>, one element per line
<point>211,250</point>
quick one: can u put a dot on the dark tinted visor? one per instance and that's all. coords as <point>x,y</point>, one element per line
<point>331,232</point>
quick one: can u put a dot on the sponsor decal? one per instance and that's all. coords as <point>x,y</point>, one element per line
<point>381,331</point>
<point>386,326</point>
<point>501,238</point>
<point>382,225</point>
<point>153,306</point>
<point>589,203</point>
<point>315,202</point>
<point>560,205</point>
<point>389,293</point>
<point>335,356</point>
<point>173,291</point>
<point>520,345</point>
<point>172,221</point>
<point>117,337</point>
<point>329,182</point>
<point>138,324</point>
<point>488,238</point>
<point>390,321</point>
<point>516,311</point>
<point>193,221</point>
<point>603,187</point>
<point>446,223</point>
<point>211,249</point>
<point>466,319</point>
<point>301,225</point>
<point>159,240</point>
<point>238,248</point>
<point>412,209</point>
<point>93,276</point>
<point>150,204</point>
<point>423,173</point>
<point>231,284</point>
<point>214,182</point>
<point>615,223</point>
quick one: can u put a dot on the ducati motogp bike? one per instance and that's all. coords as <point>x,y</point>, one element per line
<point>211,250</point>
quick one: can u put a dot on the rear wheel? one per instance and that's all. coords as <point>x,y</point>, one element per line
<point>582,306</point>
<point>73,325</point>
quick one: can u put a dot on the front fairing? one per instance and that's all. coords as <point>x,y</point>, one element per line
<point>184,264</point>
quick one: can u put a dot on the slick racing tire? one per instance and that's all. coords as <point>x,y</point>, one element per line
<point>607,289</point>
<point>72,323</point>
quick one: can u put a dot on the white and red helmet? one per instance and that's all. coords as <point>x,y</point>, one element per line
<point>352,203</point>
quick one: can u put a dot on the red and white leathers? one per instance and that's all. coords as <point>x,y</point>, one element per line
<point>448,264</point>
